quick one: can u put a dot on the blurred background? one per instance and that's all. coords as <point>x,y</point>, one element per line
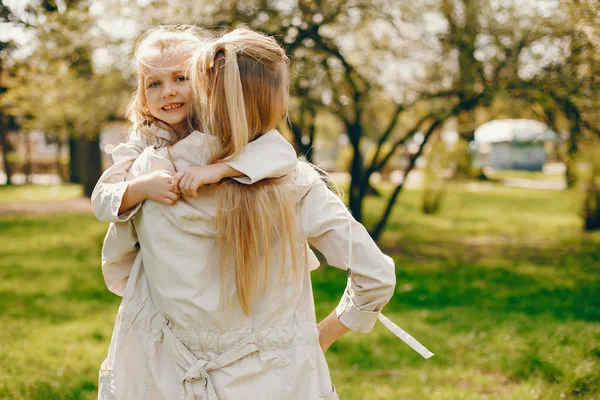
<point>466,134</point>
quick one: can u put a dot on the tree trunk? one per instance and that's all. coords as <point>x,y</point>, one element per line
<point>304,131</point>
<point>74,155</point>
<point>570,172</point>
<point>592,209</point>
<point>57,160</point>
<point>28,170</point>
<point>592,202</point>
<point>380,226</point>
<point>90,165</point>
<point>4,143</point>
<point>357,174</point>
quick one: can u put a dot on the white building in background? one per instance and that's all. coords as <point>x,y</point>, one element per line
<point>513,144</point>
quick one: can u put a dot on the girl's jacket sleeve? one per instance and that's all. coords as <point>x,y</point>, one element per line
<point>269,156</point>
<point>347,245</point>
<point>110,188</point>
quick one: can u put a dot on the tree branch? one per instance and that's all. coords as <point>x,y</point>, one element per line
<point>376,233</point>
<point>378,166</point>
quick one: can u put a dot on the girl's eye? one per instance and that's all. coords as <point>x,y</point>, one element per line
<point>154,84</point>
<point>180,78</point>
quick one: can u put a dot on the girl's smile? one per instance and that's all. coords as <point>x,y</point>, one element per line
<point>168,93</point>
<point>172,107</point>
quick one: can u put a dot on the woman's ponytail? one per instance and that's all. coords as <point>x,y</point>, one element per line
<point>240,83</point>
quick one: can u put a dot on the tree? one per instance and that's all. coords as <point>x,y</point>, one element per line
<point>7,122</point>
<point>62,92</point>
<point>461,56</point>
<point>386,69</point>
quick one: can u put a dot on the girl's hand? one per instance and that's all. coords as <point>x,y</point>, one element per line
<point>157,186</point>
<point>189,181</point>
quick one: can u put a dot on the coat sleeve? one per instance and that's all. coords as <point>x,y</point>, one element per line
<point>269,156</point>
<point>347,245</point>
<point>119,252</point>
<point>108,192</point>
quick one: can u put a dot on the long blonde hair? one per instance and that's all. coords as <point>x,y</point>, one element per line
<point>240,85</point>
<point>177,41</point>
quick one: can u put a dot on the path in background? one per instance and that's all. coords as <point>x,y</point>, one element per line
<point>80,206</point>
<point>534,184</point>
<point>36,179</point>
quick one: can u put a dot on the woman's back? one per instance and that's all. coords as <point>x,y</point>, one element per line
<point>276,346</point>
<point>181,256</point>
<point>222,302</point>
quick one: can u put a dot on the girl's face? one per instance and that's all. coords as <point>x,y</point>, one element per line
<point>168,93</point>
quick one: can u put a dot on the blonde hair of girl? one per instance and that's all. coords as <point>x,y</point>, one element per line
<point>176,42</point>
<point>240,86</point>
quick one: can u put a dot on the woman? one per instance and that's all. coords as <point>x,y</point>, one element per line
<point>221,306</point>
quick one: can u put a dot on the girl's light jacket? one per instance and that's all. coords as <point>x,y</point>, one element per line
<point>181,334</point>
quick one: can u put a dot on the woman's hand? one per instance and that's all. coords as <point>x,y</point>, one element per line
<point>330,330</point>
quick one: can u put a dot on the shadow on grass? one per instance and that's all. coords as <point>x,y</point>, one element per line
<point>440,279</point>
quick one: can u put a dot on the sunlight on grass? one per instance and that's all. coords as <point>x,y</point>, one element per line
<point>535,175</point>
<point>501,285</point>
<point>38,193</point>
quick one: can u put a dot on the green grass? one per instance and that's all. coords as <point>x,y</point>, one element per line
<point>501,285</point>
<point>537,175</point>
<point>38,193</point>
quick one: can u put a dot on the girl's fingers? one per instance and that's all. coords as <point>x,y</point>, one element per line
<point>195,187</point>
<point>188,186</point>
<point>172,196</point>
<point>177,179</point>
<point>182,183</point>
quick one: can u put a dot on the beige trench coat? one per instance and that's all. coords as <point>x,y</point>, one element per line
<point>175,339</point>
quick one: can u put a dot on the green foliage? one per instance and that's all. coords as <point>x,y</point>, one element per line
<point>377,67</point>
<point>345,153</point>
<point>57,88</point>
<point>501,285</point>
<point>344,158</point>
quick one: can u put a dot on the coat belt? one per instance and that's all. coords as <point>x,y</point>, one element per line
<point>198,369</point>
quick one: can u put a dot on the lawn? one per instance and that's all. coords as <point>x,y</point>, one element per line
<point>501,285</point>
<point>37,193</point>
<point>536,175</point>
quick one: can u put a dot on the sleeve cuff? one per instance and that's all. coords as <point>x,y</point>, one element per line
<point>246,180</point>
<point>269,156</point>
<point>118,199</point>
<point>254,174</point>
<point>354,318</point>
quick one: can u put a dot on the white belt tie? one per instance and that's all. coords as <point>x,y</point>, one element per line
<point>197,369</point>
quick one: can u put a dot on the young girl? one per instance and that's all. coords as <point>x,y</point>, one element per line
<point>221,306</point>
<point>160,113</point>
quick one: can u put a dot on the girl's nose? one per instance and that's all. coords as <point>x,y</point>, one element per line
<point>168,91</point>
